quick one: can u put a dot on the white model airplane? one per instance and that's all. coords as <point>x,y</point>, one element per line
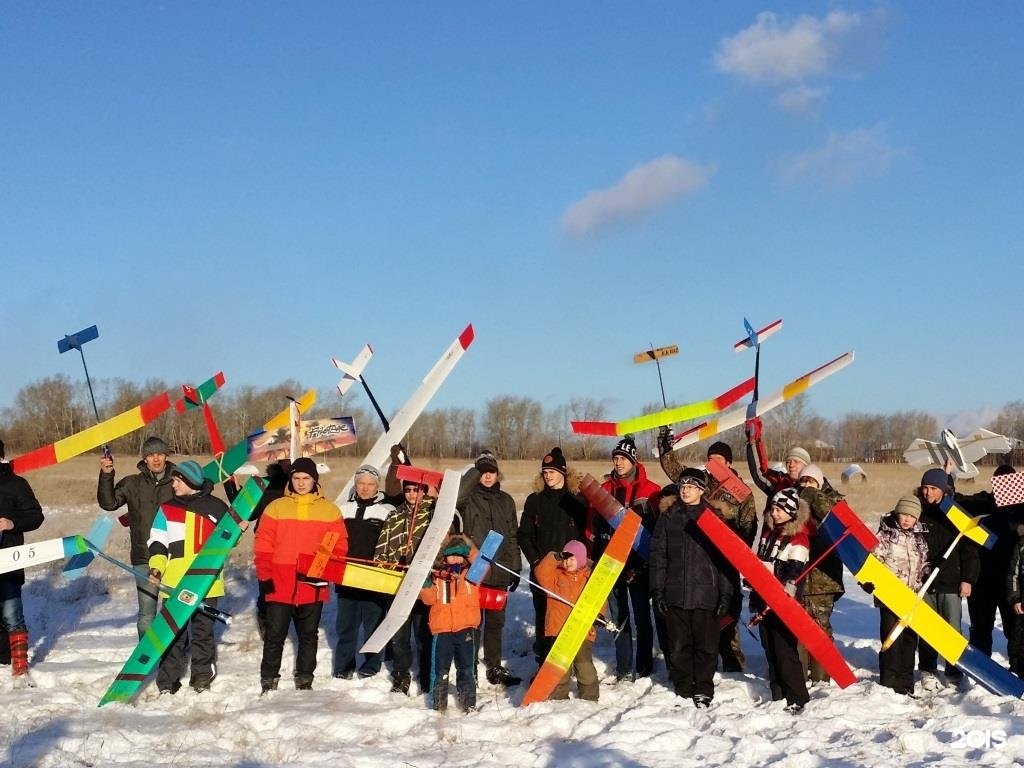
<point>961,451</point>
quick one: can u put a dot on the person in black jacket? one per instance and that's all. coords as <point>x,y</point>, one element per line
<point>957,575</point>
<point>19,514</point>
<point>554,513</point>
<point>691,590</point>
<point>143,493</point>
<point>485,507</point>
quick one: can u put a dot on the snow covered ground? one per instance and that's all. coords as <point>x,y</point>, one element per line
<point>82,632</point>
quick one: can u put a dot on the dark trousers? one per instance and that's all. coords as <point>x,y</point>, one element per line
<point>195,639</point>
<point>981,607</point>
<point>489,636</point>
<point>785,674</point>
<point>401,644</point>
<point>896,665</point>
<point>306,619</point>
<point>459,647</point>
<point>638,593</point>
<point>586,675</point>
<point>693,650</point>
<point>541,643</point>
<point>729,647</point>
<point>819,608</point>
<point>357,609</point>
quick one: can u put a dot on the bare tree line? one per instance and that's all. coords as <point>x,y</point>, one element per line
<point>514,427</point>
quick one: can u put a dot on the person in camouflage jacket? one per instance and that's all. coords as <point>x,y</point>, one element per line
<point>399,538</point>
<point>824,584</point>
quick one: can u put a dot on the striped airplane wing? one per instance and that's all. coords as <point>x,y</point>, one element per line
<point>662,418</point>
<point>93,437</point>
<point>737,415</point>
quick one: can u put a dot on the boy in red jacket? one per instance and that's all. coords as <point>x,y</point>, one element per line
<point>454,615</point>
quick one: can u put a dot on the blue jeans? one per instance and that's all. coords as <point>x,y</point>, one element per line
<point>948,605</point>
<point>12,614</point>
<point>357,608</point>
<point>147,594</point>
<point>460,647</point>
<point>638,593</point>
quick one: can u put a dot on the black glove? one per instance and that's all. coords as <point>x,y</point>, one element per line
<point>660,604</point>
<point>664,440</point>
<point>514,584</point>
<point>724,603</point>
<point>266,587</point>
<point>868,586</point>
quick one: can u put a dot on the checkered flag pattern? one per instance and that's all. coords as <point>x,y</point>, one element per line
<point>1008,489</point>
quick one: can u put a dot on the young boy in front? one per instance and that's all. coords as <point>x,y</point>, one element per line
<point>566,574</point>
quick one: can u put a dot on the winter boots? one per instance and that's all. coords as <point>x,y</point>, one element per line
<point>19,652</point>
<point>401,682</point>
<point>269,684</point>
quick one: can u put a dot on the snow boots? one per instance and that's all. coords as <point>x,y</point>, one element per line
<point>401,682</point>
<point>268,685</point>
<point>19,652</point>
<point>5,648</point>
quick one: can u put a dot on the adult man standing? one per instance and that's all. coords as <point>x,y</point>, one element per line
<point>364,519</point>
<point>19,513</point>
<point>142,493</point>
<point>629,484</point>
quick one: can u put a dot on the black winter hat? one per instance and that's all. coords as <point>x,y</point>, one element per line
<point>554,460</point>
<point>486,462</point>
<point>154,445</point>
<point>625,447</point>
<point>720,449</point>
<point>936,477</point>
<point>694,476</point>
<point>307,465</point>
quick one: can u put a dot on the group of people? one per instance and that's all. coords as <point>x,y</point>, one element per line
<point>685,593</point>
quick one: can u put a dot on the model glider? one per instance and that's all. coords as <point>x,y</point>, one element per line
<point>962,451</point>
<point>663,418</point>
<point>737,415</point>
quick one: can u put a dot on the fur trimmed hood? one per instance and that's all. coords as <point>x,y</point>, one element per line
<point>573,481</point>
<point>803,514</point>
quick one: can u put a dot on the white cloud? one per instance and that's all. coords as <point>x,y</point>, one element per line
<point>802,99</point>
<point>774,52</point>
<point>644,189</point>
<point>844,158</point>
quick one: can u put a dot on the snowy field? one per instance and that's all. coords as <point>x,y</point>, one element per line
<point>82,632</point>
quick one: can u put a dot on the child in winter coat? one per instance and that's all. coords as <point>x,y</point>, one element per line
<point>784,547</point>
<point>566,575</point>
<point>903,549</point>
<point>1015,596</point>
<point>454,617</point>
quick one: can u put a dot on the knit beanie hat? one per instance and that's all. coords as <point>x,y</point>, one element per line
<point>936,477</point>
<point>625,447</point>
<point>367,470</point>
<point>486,462</point>
<point>456,547</point>
<point>554,460</point>
<point>787,500</point>
<point>190,473</point>
<point>909,505</point>
<point>693,476</point>
<point>799,453</point>
<point>154,445</point>
<point>813,470</point>
<point>576,548</point>
<point>720,449</point>
<point>306,465</point>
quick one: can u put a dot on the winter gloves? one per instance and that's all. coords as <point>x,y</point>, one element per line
<point>660,604</point>
<point>724,603</point>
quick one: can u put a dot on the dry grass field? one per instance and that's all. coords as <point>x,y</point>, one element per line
<point>68,491</point>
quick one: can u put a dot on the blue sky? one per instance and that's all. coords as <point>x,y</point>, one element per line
<point>255,187</point>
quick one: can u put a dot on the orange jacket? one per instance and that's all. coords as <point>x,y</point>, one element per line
<point>551,576</point>
<point>454,605</point>
<point>290,526</point>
